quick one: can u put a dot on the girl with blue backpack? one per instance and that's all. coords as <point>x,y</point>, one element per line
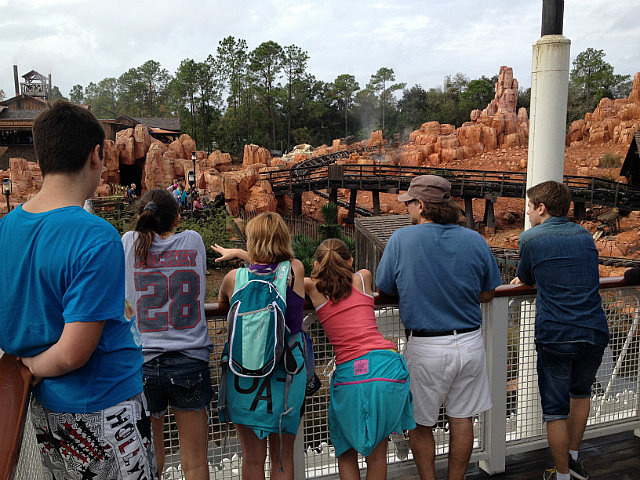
<point>264,407</point>
<point>370,396</point>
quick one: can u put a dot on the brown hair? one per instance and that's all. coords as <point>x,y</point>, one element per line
<point>555,196</point>
<point>333,270</point>
<point>268,239</point>
<point>442,213</point>
<point>64,136</point>
<point>158,210</point>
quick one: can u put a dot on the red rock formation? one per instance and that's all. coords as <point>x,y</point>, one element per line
<point>497,126</point>
<point>255,155</point>
<point>612,121</point>
<point>142,141</point>
<point>158,168</point>
<point>25,176</point>
<point>218,160</point>
<point>110,164</point>
<point>376,139</point>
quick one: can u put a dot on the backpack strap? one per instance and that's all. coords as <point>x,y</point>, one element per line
<point>291,367</point>
<point>281,277</point>
<point>222,397</point>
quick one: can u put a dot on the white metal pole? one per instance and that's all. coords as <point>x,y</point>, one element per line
<point>548,110</point>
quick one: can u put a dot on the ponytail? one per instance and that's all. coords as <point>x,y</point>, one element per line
<point>333,270</point>
<point>157,212</point>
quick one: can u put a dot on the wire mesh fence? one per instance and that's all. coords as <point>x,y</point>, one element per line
<point>614,399</point>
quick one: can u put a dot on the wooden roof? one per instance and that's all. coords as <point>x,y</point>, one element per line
<point>34,75</point>
<point>19,114</point>
<point>379,229</point>
<point>12,103</point>
<point>171,124</point>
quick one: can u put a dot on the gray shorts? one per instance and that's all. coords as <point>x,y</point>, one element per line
<point>114,443</point>
<point>449,370</point>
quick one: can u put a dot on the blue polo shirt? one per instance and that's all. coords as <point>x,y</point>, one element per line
<point>438,271</point>
<point>560,258</point>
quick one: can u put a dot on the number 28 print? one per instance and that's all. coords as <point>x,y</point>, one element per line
<point>172,299</point>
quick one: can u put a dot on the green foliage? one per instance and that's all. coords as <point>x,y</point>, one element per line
<point>591,79</point>
<point>477,94</point>
<point>524,99</point>
<point>212,228</point>
<point>341,92</point>
<point>610,160</point>
<point>76,95</point>
<point>305,247</point>
<point>378,84</point>
<point>305,250</point>
<point>265,96</point>
<point>56,94</point>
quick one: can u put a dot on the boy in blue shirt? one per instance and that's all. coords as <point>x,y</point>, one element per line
<point>571,331</point>
<point>63,281</point>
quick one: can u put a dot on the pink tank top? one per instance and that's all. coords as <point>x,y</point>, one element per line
<point>351,326</point>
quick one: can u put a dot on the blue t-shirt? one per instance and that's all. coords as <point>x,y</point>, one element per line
<point>438,272</point>
<point>561,259</point>
<point>64,266</point>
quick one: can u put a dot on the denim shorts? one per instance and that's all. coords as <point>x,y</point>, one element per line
<point>565,371</point>
<point>174,379</point>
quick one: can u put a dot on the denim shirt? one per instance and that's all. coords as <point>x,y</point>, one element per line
<point>561,259</point>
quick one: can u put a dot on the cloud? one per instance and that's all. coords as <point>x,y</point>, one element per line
<point>80,42</point>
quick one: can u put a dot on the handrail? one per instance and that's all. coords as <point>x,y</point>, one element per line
<point>220,309</point>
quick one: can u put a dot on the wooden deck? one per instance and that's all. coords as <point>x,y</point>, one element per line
<point>614,457</point>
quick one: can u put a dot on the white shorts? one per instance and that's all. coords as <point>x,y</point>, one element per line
<point>449,370</point>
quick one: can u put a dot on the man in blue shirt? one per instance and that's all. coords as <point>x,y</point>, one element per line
<point>441,272</point>
<point>63,314</point>
<point>571,331</point>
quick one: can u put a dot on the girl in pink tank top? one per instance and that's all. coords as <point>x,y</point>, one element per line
<point>370,386</point>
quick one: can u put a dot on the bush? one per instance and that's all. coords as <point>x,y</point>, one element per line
<point>305,250</point>
<point>212,228</point>
<point>610,160</point>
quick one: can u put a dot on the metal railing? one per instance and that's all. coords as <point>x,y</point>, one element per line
<point>513,425</point>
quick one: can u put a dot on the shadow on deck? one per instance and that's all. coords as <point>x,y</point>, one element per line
<point>605,458</point>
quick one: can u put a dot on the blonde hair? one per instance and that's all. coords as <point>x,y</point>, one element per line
<point>268,239</point>
<point>333,270</point>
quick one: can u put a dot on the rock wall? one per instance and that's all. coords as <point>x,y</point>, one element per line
<point>612,121</point>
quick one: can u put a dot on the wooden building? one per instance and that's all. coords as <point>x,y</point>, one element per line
<point>372,235</point>
<point>17,115</point>
<point>631,165</point>
<point>165,129</point>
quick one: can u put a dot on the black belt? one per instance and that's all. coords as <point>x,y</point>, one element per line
<point>421,333</point>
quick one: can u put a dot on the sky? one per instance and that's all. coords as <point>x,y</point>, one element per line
<point>82,41</point>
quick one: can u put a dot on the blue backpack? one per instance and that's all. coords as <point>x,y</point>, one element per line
<point>256,330</point>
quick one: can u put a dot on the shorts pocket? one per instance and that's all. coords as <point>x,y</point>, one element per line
<point>556,364</point>
<point>186,387</point>
<point>476,360</point>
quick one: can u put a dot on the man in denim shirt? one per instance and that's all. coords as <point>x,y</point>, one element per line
<point>571,330</point>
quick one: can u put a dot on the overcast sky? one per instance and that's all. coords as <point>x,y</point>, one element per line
<point>82,41</point>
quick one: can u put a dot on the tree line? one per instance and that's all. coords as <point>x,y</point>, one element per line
<point>267,96</point>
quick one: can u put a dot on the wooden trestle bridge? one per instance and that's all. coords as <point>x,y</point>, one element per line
<point>322,173</point>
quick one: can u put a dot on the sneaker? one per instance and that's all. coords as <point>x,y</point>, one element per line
<point>576,469</point>
<point>549,474</point>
